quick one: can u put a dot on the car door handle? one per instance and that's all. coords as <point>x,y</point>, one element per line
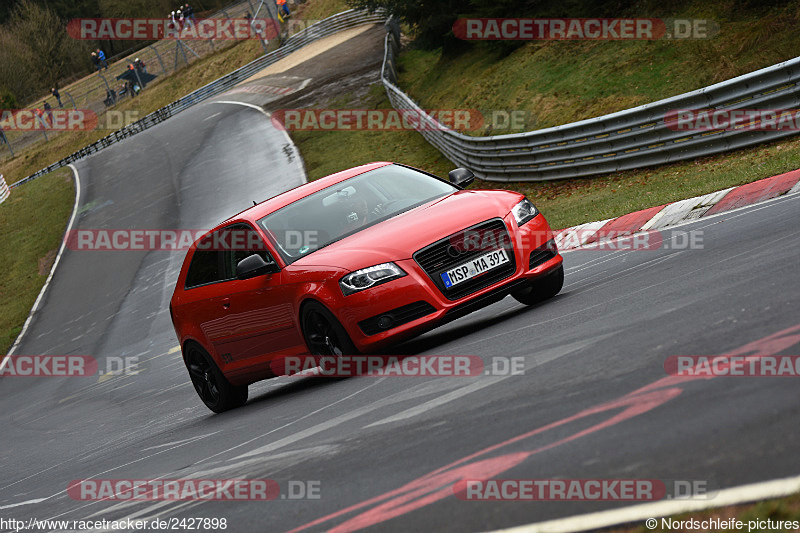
<point>226,303</point>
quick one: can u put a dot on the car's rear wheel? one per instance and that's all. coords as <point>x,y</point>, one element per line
<point>541,289</point>
<point>214,390</point>
<point>324,335</point>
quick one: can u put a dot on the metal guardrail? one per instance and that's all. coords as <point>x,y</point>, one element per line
<point>633,138</point>
<point>321,29</point>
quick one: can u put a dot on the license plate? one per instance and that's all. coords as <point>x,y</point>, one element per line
<point>473,268</point>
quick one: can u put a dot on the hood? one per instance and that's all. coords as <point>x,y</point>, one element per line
<point>399,237</point>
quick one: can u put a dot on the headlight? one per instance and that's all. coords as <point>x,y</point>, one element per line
<point>369,277</point>
<point>524,211</point>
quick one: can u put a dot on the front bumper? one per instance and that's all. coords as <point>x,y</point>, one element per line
<point>413,304</point>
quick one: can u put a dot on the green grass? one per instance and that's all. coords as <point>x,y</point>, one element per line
<point>32,222</point>
<point>201,72</point>
<point>330,151</point>
<point>318,9</point>
<point>558,82</point>
<point>565,202</point>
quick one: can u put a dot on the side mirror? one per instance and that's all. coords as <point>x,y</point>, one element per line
<point>254,265</point>
<point>461,177</point>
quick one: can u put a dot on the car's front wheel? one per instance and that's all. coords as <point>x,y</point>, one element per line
<point>324,335</point>
<point>212,387</point>
<point>541,289</point>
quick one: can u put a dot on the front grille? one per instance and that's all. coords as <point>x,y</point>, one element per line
<point>542,254</point>
<point>401,315</point>
<point>453,250</point>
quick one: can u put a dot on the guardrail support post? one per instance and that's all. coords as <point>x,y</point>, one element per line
<point>5,140</point>
<point>160,61</point>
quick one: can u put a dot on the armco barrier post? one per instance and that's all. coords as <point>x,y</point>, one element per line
<point>5,192</point>
<point>4,139</point>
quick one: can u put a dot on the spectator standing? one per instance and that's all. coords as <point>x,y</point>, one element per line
<point>102,58</point>
<point>188,15</point>
<point>282,6</point>
<point>48,111</point>
<point>40,116</point>
<point>140,66</point>
<point>57,95</point>
<point>96,61</point>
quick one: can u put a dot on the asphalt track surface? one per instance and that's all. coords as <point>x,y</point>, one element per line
<point>594,401</point>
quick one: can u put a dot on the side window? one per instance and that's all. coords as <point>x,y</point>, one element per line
<point>244,242</point>
<point>218,254</point>
<point>205,268</point>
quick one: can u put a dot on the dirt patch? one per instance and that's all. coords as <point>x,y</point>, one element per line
<point>308,52</point>
<point>347,63</point>
<point>46,262</point>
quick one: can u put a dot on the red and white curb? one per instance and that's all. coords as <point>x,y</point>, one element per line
<point>662,216</point>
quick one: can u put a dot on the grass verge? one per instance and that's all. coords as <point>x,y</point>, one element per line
<point>32,222</point>
<point>27,250</point>
<point>565,202</point>
<point>200,73</point>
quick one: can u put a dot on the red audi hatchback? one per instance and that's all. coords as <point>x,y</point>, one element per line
<point>349,264</point>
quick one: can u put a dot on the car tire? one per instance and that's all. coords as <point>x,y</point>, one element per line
<point>324,334</point>
<point>213,388</point>
<point>541,289</point>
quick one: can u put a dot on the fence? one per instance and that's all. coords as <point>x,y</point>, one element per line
<point>323,28</point>
<point>161,58</point>
<point>634,138</point>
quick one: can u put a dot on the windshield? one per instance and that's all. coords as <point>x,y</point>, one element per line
<point>348,207</point>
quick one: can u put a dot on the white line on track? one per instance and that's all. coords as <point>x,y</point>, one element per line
<point>22,503</point>
<point>52,269</point>
<point>766,490</point>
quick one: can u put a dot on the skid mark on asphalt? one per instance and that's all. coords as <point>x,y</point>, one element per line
<point>410,394</point>
<point>440,483</point>
<point>239,470</point>
<point>63,493</point>
<point>426,407</point>
<point>245,463</point>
